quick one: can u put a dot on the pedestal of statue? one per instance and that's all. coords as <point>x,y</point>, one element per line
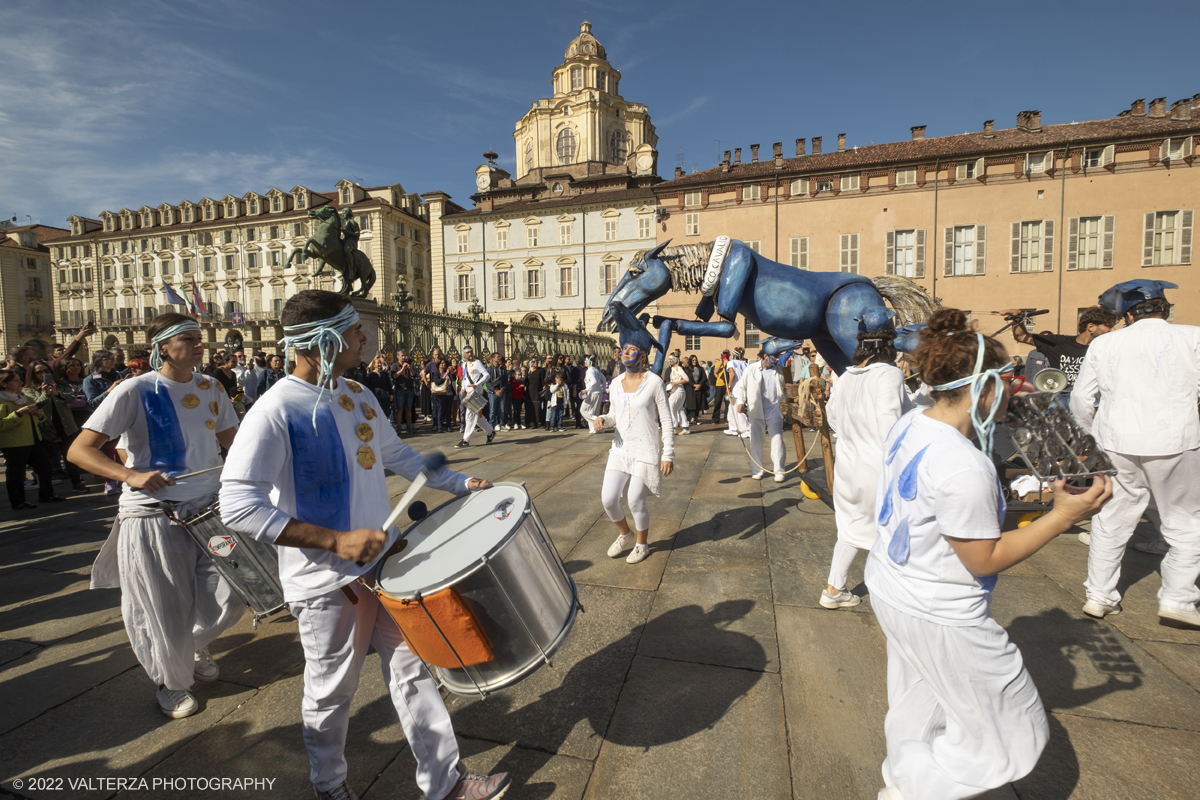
<point>368,315</point>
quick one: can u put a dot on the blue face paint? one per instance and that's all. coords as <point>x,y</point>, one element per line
<point>319,471</point>
<point>632,364</point>
<point>168,451</point>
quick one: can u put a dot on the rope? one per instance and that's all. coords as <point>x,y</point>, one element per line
<point>802,462</point>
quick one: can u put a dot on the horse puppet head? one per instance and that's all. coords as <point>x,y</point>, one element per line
<point>646,280</point>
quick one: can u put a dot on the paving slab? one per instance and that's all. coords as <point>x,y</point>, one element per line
<point>800,562</point>
<point>794,511</point>
<point>57,551</point>
<point>727,486</point>
<point>31,584</point>
<point>723,528</point>
<point>258,658</point>
<point>565,708</point>
<point>115,730</point>
<point>61,614</point>
<point>1096,759</point>
<point>555,464</point>
<point>12,649</point>
<point>536,775</point>
<point>1181,659</point>
<point>713,609</point>
<point>592,549</point>
<point>586,480</point>
<point>569,515</point>
<point>694,725</point>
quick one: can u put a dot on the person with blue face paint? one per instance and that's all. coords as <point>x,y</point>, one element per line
<point>307,474</point>
<point>171,421</point>
<point>963,714</point>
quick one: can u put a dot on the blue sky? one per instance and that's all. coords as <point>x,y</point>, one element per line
<point>106,105</point>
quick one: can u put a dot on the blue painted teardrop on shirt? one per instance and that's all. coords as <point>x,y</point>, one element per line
<point>319,471</point>
<point>885,511</point>
<point>908,476</point>
<point>988,582</point>
<point>168,450</point>
<point>895,448</point>
<point>898,548</point>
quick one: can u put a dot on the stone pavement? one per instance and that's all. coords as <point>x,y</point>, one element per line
<point>706,670</point>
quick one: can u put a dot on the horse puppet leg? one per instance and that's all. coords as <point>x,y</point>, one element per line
<point>688,327</point>
<point>845,306</point>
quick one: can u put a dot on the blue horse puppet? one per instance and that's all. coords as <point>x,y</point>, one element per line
<point>782,301</point>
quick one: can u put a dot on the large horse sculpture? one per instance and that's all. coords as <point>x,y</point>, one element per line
<point>782,301</point>
<point>328,245</point>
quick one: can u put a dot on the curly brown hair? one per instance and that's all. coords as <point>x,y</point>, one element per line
<point>949,347</point>
<point>880,351</point>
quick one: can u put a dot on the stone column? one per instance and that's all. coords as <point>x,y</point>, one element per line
<point>498,339</point>
<point>368,315</point>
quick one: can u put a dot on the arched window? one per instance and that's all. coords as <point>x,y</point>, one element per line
<point>620,147</point>
<point>529,156</point>
<point>566,146</point>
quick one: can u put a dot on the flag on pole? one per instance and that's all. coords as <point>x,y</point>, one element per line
<point>198,301</point>
<point>174,298</point>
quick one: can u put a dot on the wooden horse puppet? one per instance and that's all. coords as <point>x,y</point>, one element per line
<point>829,308</point>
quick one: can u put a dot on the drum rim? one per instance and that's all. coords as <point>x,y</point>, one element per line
<point>472,568</point>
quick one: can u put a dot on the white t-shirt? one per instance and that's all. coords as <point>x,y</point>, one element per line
<point>279,468</point>
<point>172,430</point>
<point>934,484</point>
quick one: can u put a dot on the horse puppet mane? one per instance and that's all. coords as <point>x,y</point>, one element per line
<point>686,263</point>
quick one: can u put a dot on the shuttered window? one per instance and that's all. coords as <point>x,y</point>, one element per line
<point>1175,149</point>
<point>799,187</point>
<point>904,253</point>
<point>691,199</point>
<point>799,250</point>
<point>850,182</point>
<point>1167,238</point>
<point>503,286</point>
<point>533,283</point>
<point>566,232</point>
<point>906,177</point>
<point>966,250</point>
<point>849,253</point>
<point>567,281</point>
<point>751,191</point>
<point>1090,242</point>
<point>966,170</point>
<point>502,238</point>
<point>466,288</point>
<point>755,245</point>
<point>1032,246</point>
<point>691,224</point>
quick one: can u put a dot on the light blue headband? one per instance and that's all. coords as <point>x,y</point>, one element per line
<point>156,359</point>
<point>984,428</point>
<point>323,335</point>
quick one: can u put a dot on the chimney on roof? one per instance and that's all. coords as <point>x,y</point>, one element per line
<point>678,172</point>
<point>1029,121</point>
<point>841,142</point>
<point>816,145</point>
<point>918,132</point>
<point>800,147</point>
<point>737,155</point>
<point>1138,107</point>
<point>753,153</point>
<point>725,162</point>
<point>1182,109</point>
<point>987,129</point>
<point>777,151</point>
<point>1158,107</point>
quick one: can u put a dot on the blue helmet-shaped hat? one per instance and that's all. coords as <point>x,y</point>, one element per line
<point>876,318</point>
<point>632,329</point>
<point>908,337</point>
<point>1124,296</point>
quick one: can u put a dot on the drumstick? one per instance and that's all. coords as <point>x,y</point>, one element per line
<point>197,472</point>
<point>433,462</point>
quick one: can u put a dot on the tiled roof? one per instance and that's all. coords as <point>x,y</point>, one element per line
<point>593,198</point>
<point>42,233</point>
<point>967,145</point>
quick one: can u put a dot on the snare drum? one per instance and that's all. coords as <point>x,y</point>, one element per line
<point>251,567</point>
<point>475,403</point>
<point>485,563</point>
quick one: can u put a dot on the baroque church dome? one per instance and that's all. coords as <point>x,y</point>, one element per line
<point>585,44</point>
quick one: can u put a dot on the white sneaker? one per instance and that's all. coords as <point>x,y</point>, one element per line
<point>1188,616</point>
<point>842,599</point>
<point>730,433</point>
<point>618,547</point>
<point>756,476</point>
<point>1085,537</point>
<point>1158,547</point>
<point>638,553</point>
<point>780,477</point>
<point>205,669</point>
<point>890,793</point>
<point>685,432</point>
<point>1099,610</point>
<point>176,703</point>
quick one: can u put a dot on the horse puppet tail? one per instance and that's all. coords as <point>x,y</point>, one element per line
<point>909,300</point>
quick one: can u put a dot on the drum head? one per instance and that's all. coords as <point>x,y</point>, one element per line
<point>450,542</point>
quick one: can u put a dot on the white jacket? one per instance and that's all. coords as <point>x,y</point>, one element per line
<point>594,382</point>
<point>1148,379</point>
<point>761,390</point>
<point>474,377</point>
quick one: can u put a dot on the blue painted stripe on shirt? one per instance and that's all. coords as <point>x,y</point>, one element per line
<point>319,471</point>
<point>168,450</point>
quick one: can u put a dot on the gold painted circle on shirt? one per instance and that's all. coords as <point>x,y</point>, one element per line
<point>204,383</point>
<point>368,412</point>
<point>190,401</point>
<point>211,424</point>
<point>216,409</point>
<point>345,402</point>
<point>366,457</point>
<point>365,432</point>
<point>354,387</point>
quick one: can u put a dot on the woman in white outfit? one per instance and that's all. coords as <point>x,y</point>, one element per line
<point>639,412</point>
<point>594,385</point>
<point>864,406</point>
<point>963,714</point>
<point>678,394</point>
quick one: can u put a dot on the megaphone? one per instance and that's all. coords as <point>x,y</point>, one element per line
<point>1050,380</point>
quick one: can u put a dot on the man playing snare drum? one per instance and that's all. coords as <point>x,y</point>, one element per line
<point>307,474</point>
<point>172,599</point>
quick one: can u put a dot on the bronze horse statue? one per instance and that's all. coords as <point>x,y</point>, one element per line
<point>335,242</point>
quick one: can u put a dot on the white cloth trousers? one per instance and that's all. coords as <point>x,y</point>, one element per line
<point>963,714</point>
<point>336,635</point>
<point>610,497</point>
<point>589,409</point>
<point>738,423</point>
<point>839,567</point>
<point>774,427</point>
<point>473,419</point>
<point>678,412</point>
<point>1171,481</point>
<point>173,600</point>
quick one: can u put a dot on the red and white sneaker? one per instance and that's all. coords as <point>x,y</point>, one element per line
<point>479,787</point>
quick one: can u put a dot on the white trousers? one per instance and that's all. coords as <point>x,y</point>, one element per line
<point>738,423</point>
<point>839,567</point>
<point>963,714</point>
<point>336,635</point>
<point>173,600</point>
<point>471,420</point>
<point>758,427</point>
<point>678,413</point>
<point>610,497</point>
<point>589,409</point>
<point>1171,481</point>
